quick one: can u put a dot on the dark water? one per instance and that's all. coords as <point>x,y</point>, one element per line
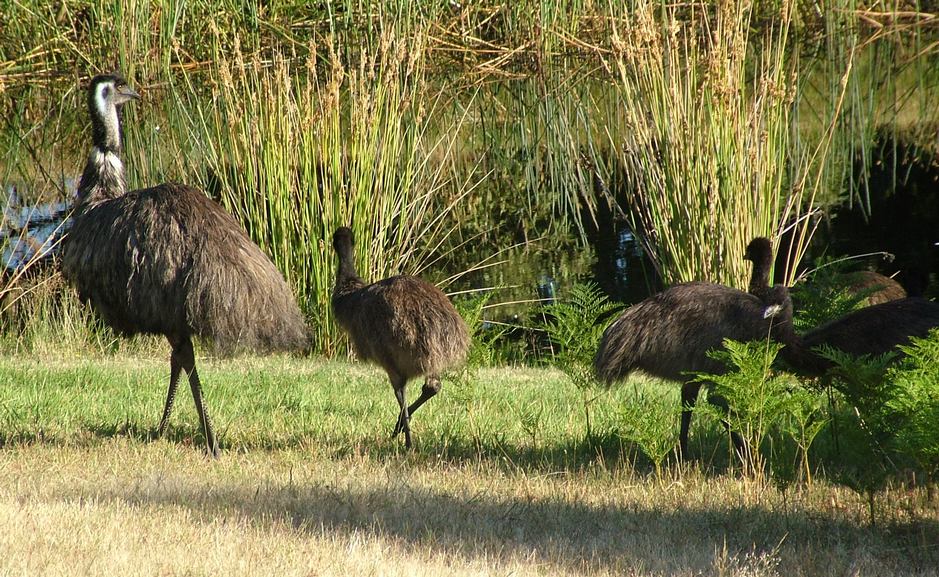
<point>901,215</point>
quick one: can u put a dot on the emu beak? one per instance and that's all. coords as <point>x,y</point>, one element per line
<point>125,93</point>
<point>771,311</point>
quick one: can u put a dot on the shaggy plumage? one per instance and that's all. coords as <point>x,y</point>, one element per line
<point>669,334</point>
<point>872,330</point>
<point>167,260</point>
<point>881,288</point>
<point>402,323</point>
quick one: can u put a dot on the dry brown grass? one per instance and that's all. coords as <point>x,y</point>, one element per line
<point>129,508</point>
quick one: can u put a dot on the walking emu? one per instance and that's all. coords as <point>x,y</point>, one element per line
<point>402,323</point>
<point>167,260</point>
<point>669,334</point>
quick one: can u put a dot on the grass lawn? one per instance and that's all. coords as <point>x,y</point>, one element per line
<point>501,482</point>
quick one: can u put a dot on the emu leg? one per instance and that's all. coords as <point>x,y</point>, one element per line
<point>400,385</point>
<point>431,387</point>
<point>188,359</point>
<point>175,367</point>
<point>743,452</point>
<point>689,394</point>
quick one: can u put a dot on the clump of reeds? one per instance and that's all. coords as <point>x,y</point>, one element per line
<point>708,149</point>
<point>296,145</point>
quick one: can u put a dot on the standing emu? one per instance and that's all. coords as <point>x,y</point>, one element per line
<point>167,260</point>
<point>669,334</point>
<point>402,323</point>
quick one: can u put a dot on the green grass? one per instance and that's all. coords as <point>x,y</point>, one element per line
<point>533,416</point>
<point>309,483</point>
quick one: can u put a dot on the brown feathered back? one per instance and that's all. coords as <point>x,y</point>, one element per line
<point>402,323</point>
<point>405,325</point>
<point>881,288</point>
<point>168,260</point>
<point>669,334</point>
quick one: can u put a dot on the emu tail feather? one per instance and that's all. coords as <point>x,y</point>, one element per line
<point>616,356</point>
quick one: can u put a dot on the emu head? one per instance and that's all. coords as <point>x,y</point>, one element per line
<point>759,250</point>
<point>107,94</point>
<point>343,239</point>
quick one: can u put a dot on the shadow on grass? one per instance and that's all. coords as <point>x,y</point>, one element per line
<point>606,449</point>
<point>566,534</point>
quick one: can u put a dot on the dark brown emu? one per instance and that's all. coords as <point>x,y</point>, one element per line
<point>167,260</point>
<point>402,323</point>
<point>669,334</point>
<point>873,330</point>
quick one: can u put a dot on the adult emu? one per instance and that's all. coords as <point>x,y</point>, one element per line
<point>872,330</point>
<point>669,334</point>
<point>167,260</point>
<point>402,323</point>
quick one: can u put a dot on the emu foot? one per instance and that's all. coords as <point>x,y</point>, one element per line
<point>402,425</point>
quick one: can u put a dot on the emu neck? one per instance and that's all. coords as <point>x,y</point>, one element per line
<point>794,352</point>
<point>759,278</point>
<point>103,178</point>
<point>347,279</point>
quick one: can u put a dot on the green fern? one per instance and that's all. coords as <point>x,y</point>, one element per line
<point>575,328</point>
<point>761,400</point>
<point>916,402</point>
<point>824,296</point>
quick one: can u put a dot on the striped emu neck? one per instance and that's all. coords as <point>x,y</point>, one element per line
<point>103,178</point>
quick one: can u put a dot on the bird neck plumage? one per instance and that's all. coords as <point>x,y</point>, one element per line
<point>347,279</point>
<point>103,178</point>
<point>759,279</point>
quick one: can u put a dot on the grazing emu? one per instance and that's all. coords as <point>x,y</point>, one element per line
<point>873,330</point>
<point>669,334</point>
<point>402,323</point>
<point>879,288</point>
<point>167,260</point>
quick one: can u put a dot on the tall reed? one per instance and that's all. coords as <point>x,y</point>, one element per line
<point>298,143</point>
<point>707,103</point>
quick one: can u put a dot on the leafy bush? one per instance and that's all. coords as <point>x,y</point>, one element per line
<point>762,401</point>
<point>648,420</point>
<point>894,409</point>
<point>575,327</point>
